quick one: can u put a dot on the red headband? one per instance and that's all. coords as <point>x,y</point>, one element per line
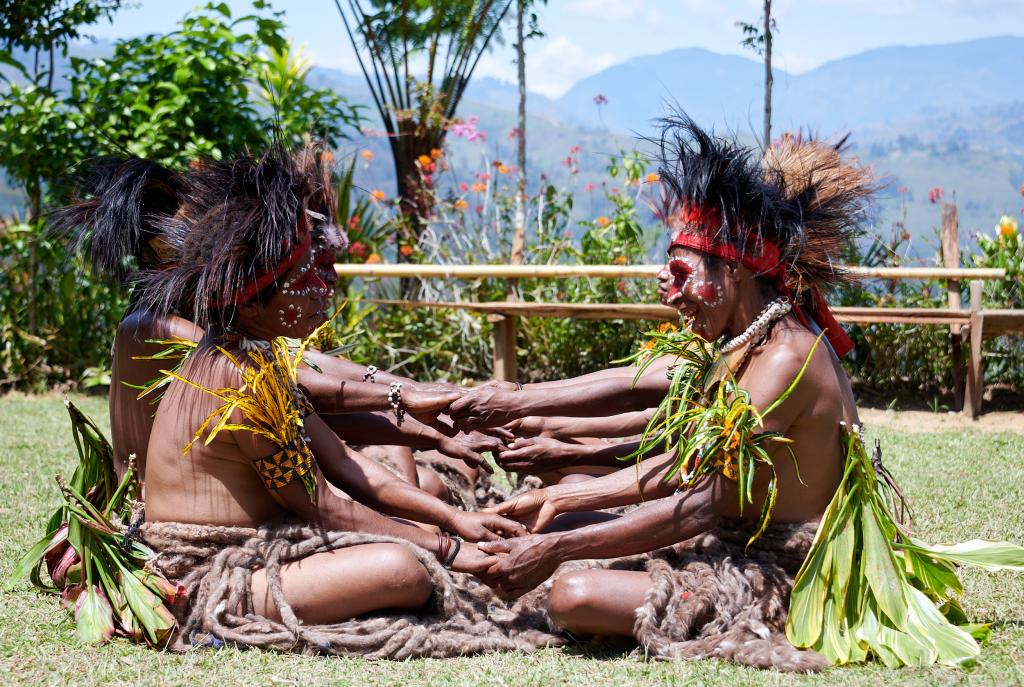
<point>767,262</point>
<point>264,279</point>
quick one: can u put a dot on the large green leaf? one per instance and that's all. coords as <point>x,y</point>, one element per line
<point>880,569</point>
<point>989,555</point>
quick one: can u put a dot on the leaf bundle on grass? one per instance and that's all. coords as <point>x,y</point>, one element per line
<point>868,587</point>
<point>97,568</point>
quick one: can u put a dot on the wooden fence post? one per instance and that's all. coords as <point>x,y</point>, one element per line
<point>951,258</point>
<point>504,369</point>
<point>975,372</point>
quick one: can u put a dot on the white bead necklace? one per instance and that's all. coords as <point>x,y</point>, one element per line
<point>775,310</point>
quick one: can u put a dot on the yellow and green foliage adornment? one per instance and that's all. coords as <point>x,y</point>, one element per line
<point>92,561</point>
<point>273,407</point>
<point>869,587</point>
<point>708,421</point>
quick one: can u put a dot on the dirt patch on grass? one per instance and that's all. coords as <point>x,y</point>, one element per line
<point>920,421</point>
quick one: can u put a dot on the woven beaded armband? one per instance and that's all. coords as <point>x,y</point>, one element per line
<point>280,469</point>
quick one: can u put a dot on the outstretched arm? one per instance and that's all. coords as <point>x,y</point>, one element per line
<point>623,425</point>
<point>493,406</point>
<point>382,429</point>
<point>372,484</point>
<point>633,484</point>
<point>341,368</point>
<point>531,560</point>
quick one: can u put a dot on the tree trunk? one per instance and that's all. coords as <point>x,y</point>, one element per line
<point>767,74</point>
<point>519,239</point>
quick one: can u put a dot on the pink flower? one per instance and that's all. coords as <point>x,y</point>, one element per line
<point>589,188</point>
<point>467,129</point>
<point>463,186</point>
<point>575,150</point>
<point>600,99</point>
<point>514,133</point>
<point>935,195</point>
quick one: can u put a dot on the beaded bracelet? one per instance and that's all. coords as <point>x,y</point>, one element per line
<point>395,400</point>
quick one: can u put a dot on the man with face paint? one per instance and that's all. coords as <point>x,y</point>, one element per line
<point>733,269</point>
<point>128,224</point>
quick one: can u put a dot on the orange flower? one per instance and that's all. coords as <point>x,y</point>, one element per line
<point>436,153</point>
<point>424,160</point>
<point>461,205</point>
<point>667,327</point>
<point>602,221</point>
<point>479,187</point>
<point>328,157</point>
<point>652,178</point>
<point>503,169</point>
<point>620,260</point>
<point>373,259</point>
<point>1007,227</point>
<point>377,195</point>
<point>405,250</point>
<point>648,345</point>
<point>366,155</point>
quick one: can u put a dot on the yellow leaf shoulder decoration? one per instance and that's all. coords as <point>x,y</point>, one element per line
<point>274,408</point>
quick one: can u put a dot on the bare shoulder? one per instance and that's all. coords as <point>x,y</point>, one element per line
<point>775,366</point>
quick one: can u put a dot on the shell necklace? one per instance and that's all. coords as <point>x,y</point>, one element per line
<point>772,312</point>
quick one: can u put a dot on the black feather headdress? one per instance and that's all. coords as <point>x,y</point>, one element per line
<point>116,222</point>
<point>801,199</point>
<point>240,222</point>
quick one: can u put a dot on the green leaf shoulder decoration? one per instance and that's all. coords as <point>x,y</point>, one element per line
<point>708,420</point>
<point>867,587</point>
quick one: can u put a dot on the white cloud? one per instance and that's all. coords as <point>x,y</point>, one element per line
<point>889,8</point>
<point>553,65</point>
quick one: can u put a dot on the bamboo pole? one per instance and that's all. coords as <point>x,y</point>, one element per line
<point>382,270</point>
<point>643,311</point>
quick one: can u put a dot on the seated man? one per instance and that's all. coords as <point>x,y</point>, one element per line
<point>126,224</point>
<point>766,443</point>
<point>248,265</point>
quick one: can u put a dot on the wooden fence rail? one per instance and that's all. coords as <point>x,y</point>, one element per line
<point>970,325</point>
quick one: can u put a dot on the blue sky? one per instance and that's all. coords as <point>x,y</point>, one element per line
<point>585,36</point>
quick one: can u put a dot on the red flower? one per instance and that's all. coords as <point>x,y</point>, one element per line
<point>358,250</point>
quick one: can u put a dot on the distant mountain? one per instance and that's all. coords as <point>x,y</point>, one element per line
<point>948,116</point>
<point>876,86</point>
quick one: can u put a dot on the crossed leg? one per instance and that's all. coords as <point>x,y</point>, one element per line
<point>599,602</point>
<point>334,586</point>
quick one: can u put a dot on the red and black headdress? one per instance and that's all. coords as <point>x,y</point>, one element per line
<point>242,224</point>
<point>786,216</point>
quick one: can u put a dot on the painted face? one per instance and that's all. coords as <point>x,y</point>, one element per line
<point>298,305</point>
<point>695,289</point>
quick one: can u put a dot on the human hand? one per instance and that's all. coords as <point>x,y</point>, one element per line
<point>425,406</point>
<point>506,386</point>
<point>459,450</point>
<point>531,426</point>
<point>485,526</point>
<point>527,561</point>
<point>487,406</point>
<point>441,387</point>
<point>539,454</point>
<point>471,559</point>
<point>535,509</point>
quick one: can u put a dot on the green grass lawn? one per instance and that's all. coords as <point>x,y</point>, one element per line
<point>962,484</point>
